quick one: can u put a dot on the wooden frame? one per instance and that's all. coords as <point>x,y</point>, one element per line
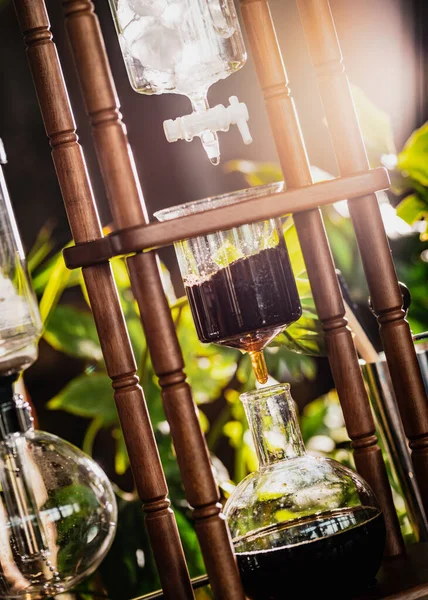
<point>133,234</point>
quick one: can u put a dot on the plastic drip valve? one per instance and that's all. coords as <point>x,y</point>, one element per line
<point>206,123</point>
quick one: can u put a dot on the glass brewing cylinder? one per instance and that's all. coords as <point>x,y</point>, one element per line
<point>300,524</point>
<point>183,47</point>
<point>20,324</point>
<point>178,46</point>
<point>239,283</point>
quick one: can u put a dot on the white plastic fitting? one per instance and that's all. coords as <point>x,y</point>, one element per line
<point>218,118</point>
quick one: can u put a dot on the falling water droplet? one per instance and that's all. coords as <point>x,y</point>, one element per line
<point>211,146</point>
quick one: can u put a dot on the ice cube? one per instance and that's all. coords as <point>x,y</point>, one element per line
<point>198,68</point>
<point>148,8</point>
<point>174,14</point>
<point>124,13</point>
<point>133,31</point>
<point>221,19</point>
<point>156,46</point>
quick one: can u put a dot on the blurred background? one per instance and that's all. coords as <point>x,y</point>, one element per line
<point>384,46</point>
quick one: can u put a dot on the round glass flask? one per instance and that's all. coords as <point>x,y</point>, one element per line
<point>300,524</point>
<point>57,507</point>
<point>239,282</point>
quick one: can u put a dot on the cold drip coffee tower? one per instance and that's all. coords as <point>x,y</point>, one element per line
<point>183,47</point>
<point>137,239</point>
<point>57,508</point>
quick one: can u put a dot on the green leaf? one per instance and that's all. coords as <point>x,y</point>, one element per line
<point>136,335</point>
<point>121,459</point>
<point>167,284</point>
<point>312,419</point>
<point>209,368</point>
<point>120,273</point>
<point>73,332</point>
<point>294,249</point>
<point>41,247</point>
<point>234,431</point>
<point>413,159</point>
<point>44,273</point>
<point>58,279</point>
<point>226,254</point>
<point>412,209</point>
<point>305,336</point>
<point>342,248</point>
<point>204,421</point>
<point>89,396</point>
<point>286,365</point>
<point>83,287</point>
<point>304,288</point>
<point>255,173</point>
<point>375,126</point>
<point>190,545</point>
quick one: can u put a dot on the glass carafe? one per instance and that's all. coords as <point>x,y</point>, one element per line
<point>20,325</point>
<point>300,523</point>
<point>239,282</point>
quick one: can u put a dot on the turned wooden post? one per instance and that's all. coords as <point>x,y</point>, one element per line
<point>379,268</point>
<point>319,262</point>
<point>127,205</point>
<point>83,218</point>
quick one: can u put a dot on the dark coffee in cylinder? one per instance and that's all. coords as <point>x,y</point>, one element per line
<point>247,303</point>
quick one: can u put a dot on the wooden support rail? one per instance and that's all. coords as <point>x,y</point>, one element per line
<point>319,262</point>
<point>84,223</point>
<point>379,268</point>
<point>155,235</point>
<point>127,206</point>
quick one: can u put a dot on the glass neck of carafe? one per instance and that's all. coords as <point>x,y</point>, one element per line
<point>273,423</point>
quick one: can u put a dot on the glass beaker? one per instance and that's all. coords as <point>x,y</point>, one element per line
<point>183,47</point>
<point>239,282</point>
<point>300,523</point>
<point>20,324</point>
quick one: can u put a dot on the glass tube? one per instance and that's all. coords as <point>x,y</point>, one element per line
<point>20,323</point>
